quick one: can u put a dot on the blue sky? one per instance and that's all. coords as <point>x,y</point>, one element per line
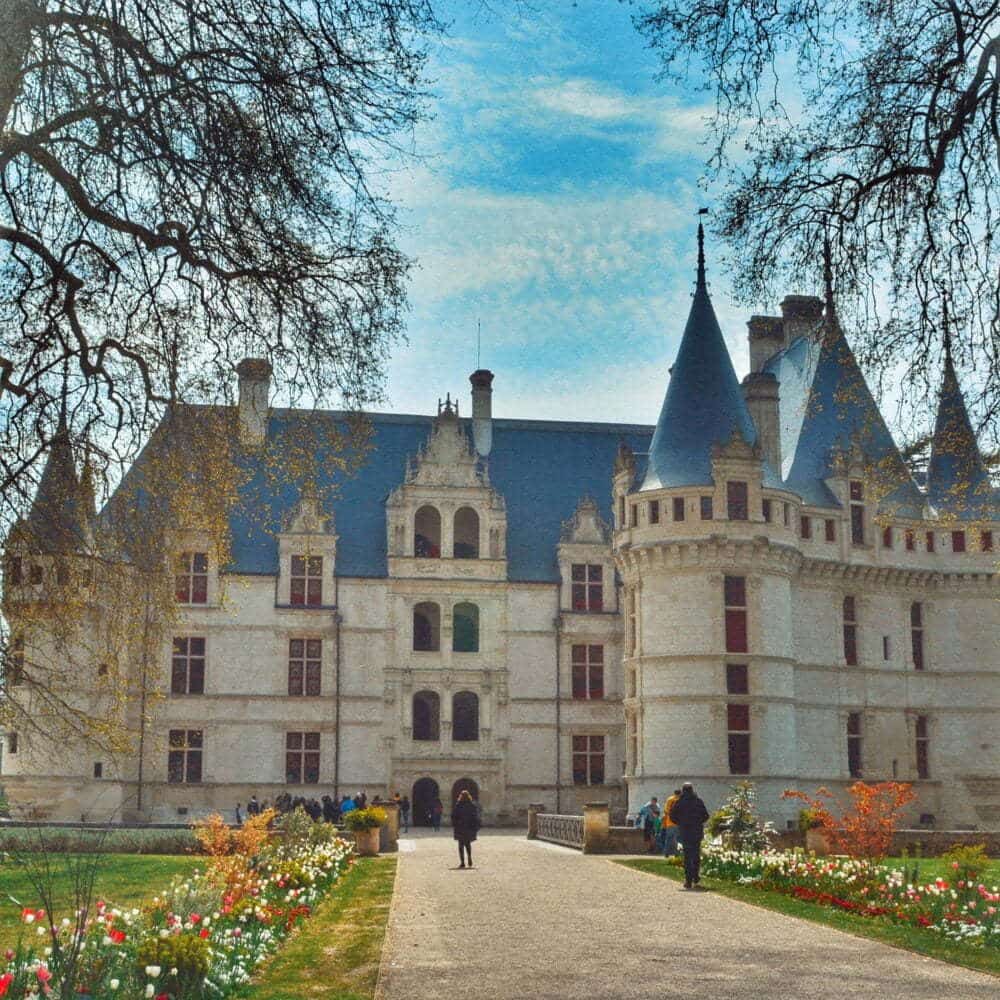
<point>553,200</point>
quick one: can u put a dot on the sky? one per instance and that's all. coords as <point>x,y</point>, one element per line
<point>553,201</point>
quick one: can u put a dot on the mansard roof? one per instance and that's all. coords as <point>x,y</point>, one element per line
<point>828,416</point>
<point>958,483</point>
<point>703,406</point>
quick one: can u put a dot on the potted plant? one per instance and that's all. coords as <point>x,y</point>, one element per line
<point>365,824</point>
<point>811,827</point>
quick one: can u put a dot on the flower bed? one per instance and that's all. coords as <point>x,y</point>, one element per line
<point>201,938</point>
<point>960,909</point>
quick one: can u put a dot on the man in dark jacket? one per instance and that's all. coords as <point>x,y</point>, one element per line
<point>690,815</point>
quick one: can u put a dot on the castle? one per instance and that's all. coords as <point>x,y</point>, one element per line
<point>560,612</point>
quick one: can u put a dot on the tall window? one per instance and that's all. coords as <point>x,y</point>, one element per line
<point>923,745</point>
<point>427,533</point>
<point>633,518</point>
<point>930,541</point>
<point>191,578</point>
<point>307,580</point>
<point>15,662</point>
<point>465,630</point>
<point>986,540</point>
<point>887,538</point>
<point>426,716</point>
<point>426,627</point>
<point>302,758</point>
<point>588,587</point>
<point>466,539</point>
<point>767,510</point>
<point>654,511</point>
<point>737,502</point>
<point>465,717</point>
<point>958,541</point>
<point>621,511</point>
<point>187,673</point>
<point>12,743</point>
<point>850,631</point>
<point>678,504</point>
<point>632,622</point>
<point>908,540</point>
<point>588,671</point>
<point>917,634</point>
<point>805,526</point>
<point>786,513</point>
<point>735,597</point>
<point>738,722</point>
<point>830,527</point>
<point>184,756</point>
<point>706,508</point>
<point>857,513</point>
<point>854,745</point>
<point>588,760</point>
<point>305,667</point>
<point>737,679</point>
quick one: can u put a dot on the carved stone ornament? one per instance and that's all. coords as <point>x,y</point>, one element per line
<point>308,517</point>
<point>447,459</point>
<point>737,448</point>
<point>586,526</point>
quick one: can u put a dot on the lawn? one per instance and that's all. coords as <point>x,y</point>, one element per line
<point>335,954</point>
<point>911,938</point>
<point>931,868</point>
<point>122,879</point>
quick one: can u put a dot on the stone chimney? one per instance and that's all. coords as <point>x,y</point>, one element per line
<point>255,386</point>
<point>767,336</point>
<point>760,390</point>
<point>801,314</point>
<point>482,410</point>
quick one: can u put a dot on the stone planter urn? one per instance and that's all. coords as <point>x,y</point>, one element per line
<point>366,842</point>
<point>817,841</point>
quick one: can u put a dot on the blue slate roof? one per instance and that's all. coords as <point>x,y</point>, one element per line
<point>958,483</point>
<point>827,409</point>
<point>703,405</point>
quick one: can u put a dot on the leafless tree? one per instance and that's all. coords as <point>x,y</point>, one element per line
<point>875,124</point>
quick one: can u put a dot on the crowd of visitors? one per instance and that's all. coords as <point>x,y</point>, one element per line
<point>325,809</point>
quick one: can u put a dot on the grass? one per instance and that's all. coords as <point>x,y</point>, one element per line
<point>900,936</point>
<point>122,879</point>
<point>929,869</point>
<point>335,954</point>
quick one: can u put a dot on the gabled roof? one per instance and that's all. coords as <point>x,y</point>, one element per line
<point>828,412</point>
<point>958,483</point>
<point>704,404</point>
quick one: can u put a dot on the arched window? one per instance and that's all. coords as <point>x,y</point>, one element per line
<point>426,716</point>
<point>466,534</point>
<point>465,717</point>
<point>427,533</point>
<point>465,633</point>
<point>426,627</point>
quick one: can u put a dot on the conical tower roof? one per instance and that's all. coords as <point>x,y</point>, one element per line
<point>958,482</point>
<point>703,406</point>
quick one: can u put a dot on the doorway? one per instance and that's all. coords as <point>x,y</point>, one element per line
<point>425,792</point>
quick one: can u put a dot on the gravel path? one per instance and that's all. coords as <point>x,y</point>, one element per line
<point>540,921</point>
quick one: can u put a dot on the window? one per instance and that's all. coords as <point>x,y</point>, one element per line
<point>632,623</point>
<point>426,627</point>
<point>738,722</point>
<point>187,672</point>
<point>654,511</point>
<point>958,541</point>
<point>465,630</point>
<point>857,513</point>
<point>184,757</point>
<point>887,537</point>
<point>786,513</point>
<point>98,769</point>
<point>466,543</point>
<point>805,527</point>
<point>830,529</point>
<point>588,671</point>
<point>15,661</point>
<point>908,540</point>
<point>850,631</point>
<point>678,508</point>
<point>986,540</point>
<point>854,744</point>
<point>465,717</point>
<point>735,597</point>
<point>633,518</point>
<point>14,571</point>
<point>302,758</point>
<point>191,580</point>
<point>427,533</point>
<point>706,508</point>
<point>930,541</point>
<point>767,511</point>
<point>923,741</point>
<point>12,743</point>
<point>305,667</point>
<point>737,679</point>
<point>917,634</point>
<point>307,581</point>
<point>588,587</point>
<point>737,501</point>
<point>886,648</point>
<point>588,760</point>
<point>426,716</point>
<point>35,574</point>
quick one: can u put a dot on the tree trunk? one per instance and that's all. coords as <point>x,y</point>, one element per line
<point>16,20</point>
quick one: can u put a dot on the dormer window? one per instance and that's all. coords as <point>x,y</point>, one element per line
<point>307,581</point>
<point>588,587</point>
<point>737,501</point>
<point>191,578</point>
<point>857,512</point>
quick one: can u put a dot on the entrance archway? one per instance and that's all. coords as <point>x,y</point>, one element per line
<point>425,791</point>
<point>464,785</point>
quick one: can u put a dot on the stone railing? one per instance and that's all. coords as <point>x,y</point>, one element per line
<point>565,830</point>
<point>590,833</point>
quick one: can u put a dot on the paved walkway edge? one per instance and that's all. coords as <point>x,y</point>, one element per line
<point>390,920</point>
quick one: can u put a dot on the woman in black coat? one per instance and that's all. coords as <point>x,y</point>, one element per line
<point>465,825</point>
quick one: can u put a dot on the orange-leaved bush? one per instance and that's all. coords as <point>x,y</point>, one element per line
<point>866,828</point>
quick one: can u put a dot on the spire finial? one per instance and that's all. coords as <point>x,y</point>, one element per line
<point>701,249</point>
<point>63,394</point>
<point>946,332</point>
<point>828,275</point>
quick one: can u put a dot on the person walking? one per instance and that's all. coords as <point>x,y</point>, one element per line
<point>465,826</point>
<point>239,814</point>
<point>690,815</point>
<point>436,812</point>
<point>253,806</point>
<point>404,813</point>
<point>648,816</point>
<point>669,829</point>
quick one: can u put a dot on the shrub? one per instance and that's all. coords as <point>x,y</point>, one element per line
<point>184,960</point>
<point>98,840</point>
<point>968,862</point>
<point>369,818</point>
<point>809,819</point>
<point>737,821</point>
